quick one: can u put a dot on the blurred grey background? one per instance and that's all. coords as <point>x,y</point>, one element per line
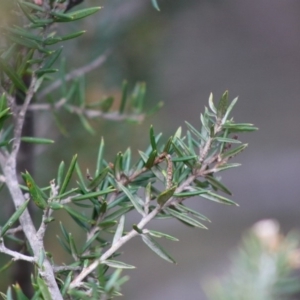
<point>184,52</point>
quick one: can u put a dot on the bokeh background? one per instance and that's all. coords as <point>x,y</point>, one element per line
<point>184,52</point>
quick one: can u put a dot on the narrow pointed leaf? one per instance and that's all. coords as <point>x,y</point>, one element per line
<point>35,192</point>
<point>119,230</point>
<point>131,197</point>
<point>188,210</point>
<point>158,234</point>
<point>211,103</point>
<point>19,293</point>
<point>98,179</point>
<point>222,105</point>
<point>168,145</point>
<point>86,125</point>
<point>196,192</point>
<point>166,195</point>
<point>227,140</point>
<point>68,175</point>
<point>234,151</point>
<point>13,76</point>
<point>217,198</point>
<point>239,127</point>
<point>226,166</point>
<point>100,157</point>
<point>124,97</point>
<point>32,6</point>
<point>78,216</point>
<point>54,56</point>
<point>44,289</point>
<point>155,247</point>
<point>15,216</point>
<point>229,109</point>
<point>82,13</point>
<point>155,5</point>
<point>36,140</point>
<point>117,264</point>
<point>152,139</point>
<point>218,185</point>
<point>185,218</point>
<point>150,162</point>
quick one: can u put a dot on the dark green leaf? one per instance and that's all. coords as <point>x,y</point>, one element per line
<point>222,105</point>
<point>13,76</point>
<point>150,161</point>
<point>100,157</point>
<point>118,166</point>
<point>68,175</point>
<point>117,264</point>
<point>23,33</point>
<point>185,218</point>
<point>32,6</point>
<point>157,107</point>
<point>239,127</point>
<point>168,145</point>
<point>195,192</point>
<point>36,140</point>
<point>53,57</point>
<point>158,234</point>
<point>35,192</point>
<point>195,131</point>
<point>217,184</point>
<point>234,152</point>
<point>116,214</point>
<point>184,158</point>
<point>226,166</point>
<point>229,109</point>
<point>20,295</point>
<point>66,284</point>
<point>166,195</point>
<point>106,104</point>
<point>188,210</point>
<point>78,216</point>
<point>132,198</point>
<point>152,139</point>
<point>217,198</point>
<point>82,13</point>
<point>227,140</point>
<point>44,289</point>
<point>98,179</point>
<point>89,242</point>
<point>155,247</point>
<point>15,216</point>
<point>124,97</point>
<point>93,194</point>
<point>119,230</point>
<point>86,125</point>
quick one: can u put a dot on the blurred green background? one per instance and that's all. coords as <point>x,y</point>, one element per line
<point>184,52</point>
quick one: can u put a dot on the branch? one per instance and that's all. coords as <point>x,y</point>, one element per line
<point>20,118</point>
<point>89,113</point>
<point>200,172</point>
<point>100,60</point>
<point>14,230</point>
<point>16,255</point>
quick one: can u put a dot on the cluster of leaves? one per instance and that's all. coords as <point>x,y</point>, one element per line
<point>264,267</point>
<point>156,186</point>
<point>183,167</point>
<point>29,54</point>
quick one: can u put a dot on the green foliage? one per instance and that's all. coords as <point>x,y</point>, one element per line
<point>171,170</point>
